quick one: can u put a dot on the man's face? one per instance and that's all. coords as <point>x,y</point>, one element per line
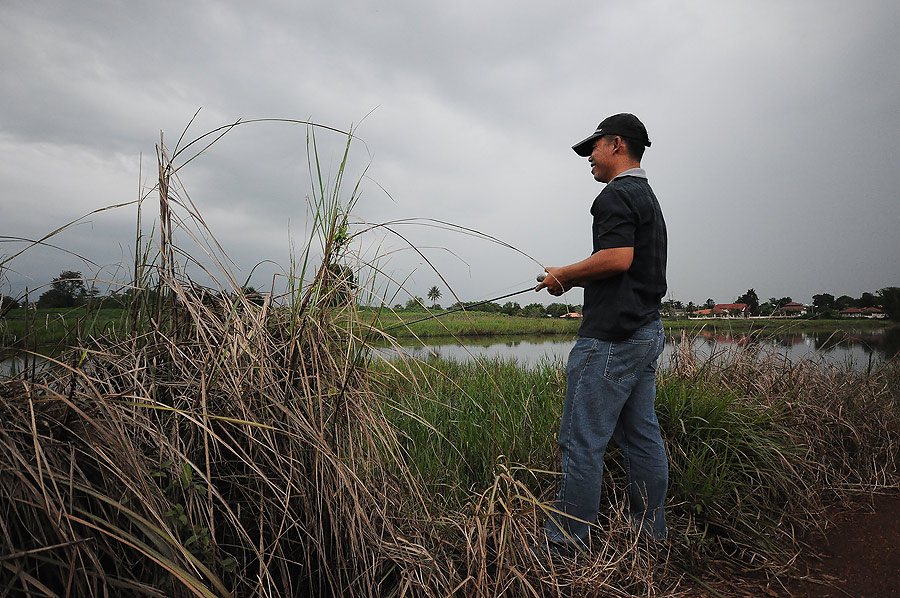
<point>601,158</point>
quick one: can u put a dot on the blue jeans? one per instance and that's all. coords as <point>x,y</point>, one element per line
<point>610,393</point>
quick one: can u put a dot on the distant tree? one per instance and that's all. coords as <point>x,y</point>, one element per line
<point>710,303</point>
<point>533,310</point>
<point>557,309</point>
<point>890,301</point>
<point>667,308</point>
<point>491,308</point>
<point>415,303</point>
<point>66,290</point>
<point>691,308</point>
<point>782,302</point>
<point>434,294</point>
<point>751,299</point>
<point>7,303</point>
<point>511,308</point>
<point>866,300</point>
<point>843,302</point>
<point>671,306</point>
<point>115,300</point>
<point>823,301</point>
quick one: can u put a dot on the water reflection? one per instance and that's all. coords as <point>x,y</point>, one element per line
<point>852,348</point>
<point>858,349</point>
<point>15,365</point>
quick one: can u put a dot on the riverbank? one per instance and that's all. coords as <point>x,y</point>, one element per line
<point>481,324</point>
<point>50,330</point>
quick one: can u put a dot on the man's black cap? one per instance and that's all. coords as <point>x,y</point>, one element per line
<point>623,125</point>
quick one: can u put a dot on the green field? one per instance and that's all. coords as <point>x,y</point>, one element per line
<point>483,324</point>
<point>59,327</point>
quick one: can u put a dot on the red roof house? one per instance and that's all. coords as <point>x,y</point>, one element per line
<point>724,310</point>
<point>792,309</point>
<point>732,310</point>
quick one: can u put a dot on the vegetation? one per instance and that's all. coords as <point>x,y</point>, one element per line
<point>751,441</point>
<point>468,323</point>
<point>824,306</point>
<point>54,329</point>
<point>237,448</point>
<point>66,290</point>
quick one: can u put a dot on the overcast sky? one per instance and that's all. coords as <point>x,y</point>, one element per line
<point>774,127</point>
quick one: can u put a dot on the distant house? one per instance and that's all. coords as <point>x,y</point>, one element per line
<point>792,309</point>
<point>571,315</point>
<point>724,310</point>
<point>732,310</point>
<point>866,312</point>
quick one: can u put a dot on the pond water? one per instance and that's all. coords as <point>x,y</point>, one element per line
<point>16,364</point>
<point>852,349</point>
<point>861,350</point>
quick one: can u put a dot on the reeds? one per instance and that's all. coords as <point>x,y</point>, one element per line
<point>226,448</point>
<point>209,449</point>
<point>760,444</point>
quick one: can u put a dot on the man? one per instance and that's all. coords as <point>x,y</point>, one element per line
<point>611,371</point>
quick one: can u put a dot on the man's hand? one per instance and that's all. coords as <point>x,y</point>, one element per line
<point>602,264</point>
<point>556,282</point>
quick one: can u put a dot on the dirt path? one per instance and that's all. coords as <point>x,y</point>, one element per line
<point>859,555</point>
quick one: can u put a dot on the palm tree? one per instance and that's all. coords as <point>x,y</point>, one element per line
<point>434,294</point>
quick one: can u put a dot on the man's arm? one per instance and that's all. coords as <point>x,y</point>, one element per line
<point>602,264</point>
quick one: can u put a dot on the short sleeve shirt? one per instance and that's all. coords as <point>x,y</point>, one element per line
<point>626,214</point>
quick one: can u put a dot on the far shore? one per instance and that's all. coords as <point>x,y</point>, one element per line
<point>488,324</point>
<point>61,328</point>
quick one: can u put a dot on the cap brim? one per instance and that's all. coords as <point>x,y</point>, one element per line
<point>585,147</point>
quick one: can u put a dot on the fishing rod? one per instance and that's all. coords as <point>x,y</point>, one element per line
<point>540,278</point>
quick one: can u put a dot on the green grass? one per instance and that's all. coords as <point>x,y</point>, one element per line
<point>776,324</point>
<point>458,421</point>
<point>62,327</point>
<point>731,467</point>
<point>483,324</point>
<point>750,462</point>
<point>57,327</point>
<point>471,324</point>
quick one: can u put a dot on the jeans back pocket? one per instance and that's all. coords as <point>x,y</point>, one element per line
<point>626,357</point>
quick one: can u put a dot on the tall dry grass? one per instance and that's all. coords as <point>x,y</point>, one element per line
<point>210,449</point>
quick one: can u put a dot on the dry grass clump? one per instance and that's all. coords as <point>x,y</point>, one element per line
<point>208,449</point>
<point>205,466</point>
<point>846,420</point>
<point>760,444</point>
